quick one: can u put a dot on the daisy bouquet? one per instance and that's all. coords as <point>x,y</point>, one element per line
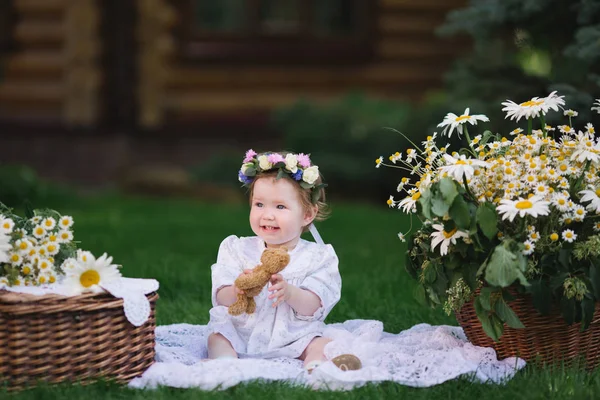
<point>39,250</point>
<point>518,210</point>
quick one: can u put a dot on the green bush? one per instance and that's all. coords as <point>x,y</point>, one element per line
<point>345,137</point>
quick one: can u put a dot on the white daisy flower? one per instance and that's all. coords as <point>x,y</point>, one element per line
<point>561,202</point>
<point>597,109</point>
<point>390,202</point>
<point>378,162</point>
<point>445,238</point>
<point>84,256</point>
<point>461,167</point>
<point>534,236</point>
<point>19,281</point>
<point>64,236</point>
<point>39,232</point>
<point>529,247</point>
<point>15,259</point>
<point>52,248</point>
<point>69,264</point>
<point>569,236</point>
<point>48,223</point>
<point>408,204</point>
<point>26,269</point>
<point>593,196</point>
<point>90,275</point>
<point>516,131</point>
<point>6,225</point>
<point>533,107</point>
<point>570,113</point>
<point>23,246</point>
<point>44,264</point>
<point>589,128</point>
<point>401,237</point>
<point>452,121</point>
<point>586,149</point>
<point>533,206</point>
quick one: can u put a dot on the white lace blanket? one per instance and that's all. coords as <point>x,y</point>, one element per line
<point>421,356</point>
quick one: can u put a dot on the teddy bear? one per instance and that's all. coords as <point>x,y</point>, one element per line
<point>273,261</point>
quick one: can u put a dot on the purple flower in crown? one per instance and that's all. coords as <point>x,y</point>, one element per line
<point>297,175</point>
<point>243,178</point>
<point>275,158</point>
<point>303,160</point>
<point>249,155</point>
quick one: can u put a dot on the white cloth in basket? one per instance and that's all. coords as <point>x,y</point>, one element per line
<point>133,291</point>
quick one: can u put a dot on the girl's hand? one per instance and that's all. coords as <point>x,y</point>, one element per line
<point>280,288</point>
<point>235,288</point>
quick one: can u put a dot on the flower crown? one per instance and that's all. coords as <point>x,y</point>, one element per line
<point>296,166</point>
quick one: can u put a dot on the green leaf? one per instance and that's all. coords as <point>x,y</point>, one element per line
<point>280,174</point>
<point>508,315</point>
<point>29,212</point>
<point>491,325</point>
<point>425,201</point>
<point>440,285</point>
<point>459,212</point>
<point>439,206</point>
<point>420,295</point>
<point>595,280</point>
<point>505,266</point>
<point>250,171</point>
<point>430,274</point>
<point>542,296</point>
<point>448,190</point>
<point>487,219</point>
<point>588,307</point>
<point>305,185</point>
<point>485,298</point>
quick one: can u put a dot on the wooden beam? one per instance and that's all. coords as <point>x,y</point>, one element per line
<point>34,64</point>
<point>271,77</point>
<point>40,33</point>
<point>42,92</point>
<point>402,24</point>
<point>40,6</point>
<point>442,6</point>
<point>395,49</point>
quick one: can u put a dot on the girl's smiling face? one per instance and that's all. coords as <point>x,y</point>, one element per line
<point>276,213</point>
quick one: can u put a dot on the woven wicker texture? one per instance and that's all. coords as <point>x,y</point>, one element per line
<point>81,338</point>
<point>546,339</point>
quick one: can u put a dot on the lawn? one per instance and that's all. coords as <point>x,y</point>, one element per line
<point>176,241</point>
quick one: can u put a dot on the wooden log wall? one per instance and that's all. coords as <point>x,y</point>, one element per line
<point>53,73</point>
<point>409,60</point>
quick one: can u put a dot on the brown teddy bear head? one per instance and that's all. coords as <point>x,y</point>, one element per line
<point>275,260</point>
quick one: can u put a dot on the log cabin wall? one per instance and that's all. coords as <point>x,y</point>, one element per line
<point>51,71</point>
<point>407,60</point>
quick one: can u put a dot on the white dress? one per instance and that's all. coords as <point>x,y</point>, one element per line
<point>274,332</point>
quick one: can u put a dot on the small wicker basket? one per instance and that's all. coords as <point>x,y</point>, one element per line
<point>546,338</point>
<point>53,338</point>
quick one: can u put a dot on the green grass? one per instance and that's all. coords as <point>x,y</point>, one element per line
<point>176,242</point>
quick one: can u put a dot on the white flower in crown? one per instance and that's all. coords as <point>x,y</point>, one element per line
<point>310,174</point>
<point>89,276</point>
<point>246,166</point>
<point>263,162</point>
<point>291,162</point>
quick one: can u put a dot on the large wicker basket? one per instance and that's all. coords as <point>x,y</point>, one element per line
<point>545,339</point>
<point>82,338</point>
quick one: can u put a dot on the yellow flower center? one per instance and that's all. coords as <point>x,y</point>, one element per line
<point>23,246</point>
<point>524,204</point>
<point>14,258</point>
<point>554,237</point>
<point>579,211</point>
<point>89,278</point>
<point>65,222</point>
<point>39,231</point>
<point>462,118</point>
<point>448,235</point>
<point>390,202</point>
<point>569,235</point>
<point>6,225</point>
<point>460,162</point>
<point>52,279</point>
<point>532,103</point>
<point>51,248</point>
<point>378,161</point>
<point>416,196</point>
<point>598,192</point>
<point>26,270</point>
<point>42,279</point>
<point>561,202</point>
<point>563,167</point>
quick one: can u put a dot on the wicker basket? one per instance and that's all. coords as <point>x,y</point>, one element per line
<point>82,338</point>
<point>546,338</point>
